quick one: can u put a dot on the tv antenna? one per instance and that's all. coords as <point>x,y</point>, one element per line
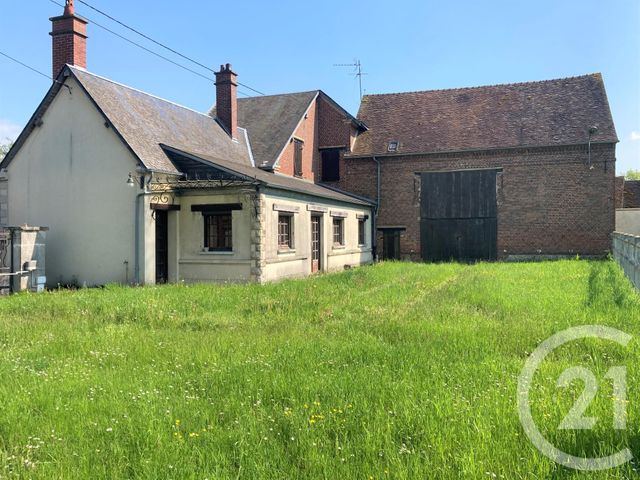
<point>357,66</point>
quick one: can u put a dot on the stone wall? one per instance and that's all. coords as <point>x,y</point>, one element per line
<point>22,259</point>
<point>626,251</point>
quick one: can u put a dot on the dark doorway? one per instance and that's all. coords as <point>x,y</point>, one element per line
<point>459,216</point>
<point>391,243</point>
<point>162,246</point>
<point>316,242</point>
<point>330,162</point>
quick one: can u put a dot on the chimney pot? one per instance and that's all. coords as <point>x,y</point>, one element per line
<point>69,39</point>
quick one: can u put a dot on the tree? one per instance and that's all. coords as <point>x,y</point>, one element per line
<point>632,175</point>
<point>4,148</point>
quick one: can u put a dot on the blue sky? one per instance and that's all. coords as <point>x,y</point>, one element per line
<point>289,46</point>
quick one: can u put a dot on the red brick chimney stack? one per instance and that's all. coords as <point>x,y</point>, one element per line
<point>227,99</point>
<point>69,38</point>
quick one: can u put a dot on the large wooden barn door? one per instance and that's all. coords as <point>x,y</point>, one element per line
<point>459,216</point>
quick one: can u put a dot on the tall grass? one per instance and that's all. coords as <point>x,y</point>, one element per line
<point>395,371</point>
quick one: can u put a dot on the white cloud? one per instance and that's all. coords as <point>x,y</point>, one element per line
<point>9,130</point>
<point>635,136</point>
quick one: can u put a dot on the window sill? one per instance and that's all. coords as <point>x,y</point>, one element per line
<point>339,246</point>
<point>213,252</point>
<point>286,251</point>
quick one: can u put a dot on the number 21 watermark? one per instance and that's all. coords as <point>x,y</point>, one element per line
<point>576,419</point>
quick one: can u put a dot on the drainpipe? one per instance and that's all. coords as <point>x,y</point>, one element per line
<point>374,233</point>
<point>11,268</point>
<point>139,196</point>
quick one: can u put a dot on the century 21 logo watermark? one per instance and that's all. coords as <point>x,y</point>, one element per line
<point>575,419</point>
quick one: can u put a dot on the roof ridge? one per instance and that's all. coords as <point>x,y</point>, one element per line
<point>595,74</point>
<point>82,70</point>
<point>280,94</point>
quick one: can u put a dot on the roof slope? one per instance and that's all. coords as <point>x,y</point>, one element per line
<point>270,121</point>
<point>145,121</point>
<point>551,112</point>
<point>270,179</point>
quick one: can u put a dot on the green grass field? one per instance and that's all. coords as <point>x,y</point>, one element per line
<point>395,371</point>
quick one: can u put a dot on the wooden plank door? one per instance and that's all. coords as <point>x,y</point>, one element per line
<point>316,242</point>
<point>162,246</point>
<point>459,216</point>
<point>391,244</point>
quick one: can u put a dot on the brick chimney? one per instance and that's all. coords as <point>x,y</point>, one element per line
<point>69,39</point>
<point>227,99</point>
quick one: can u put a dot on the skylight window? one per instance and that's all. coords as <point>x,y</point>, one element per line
<point>393,146</point>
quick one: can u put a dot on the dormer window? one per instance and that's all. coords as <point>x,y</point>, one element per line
<point>392,146</point>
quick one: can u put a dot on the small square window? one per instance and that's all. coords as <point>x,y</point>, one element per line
<point>338,232</point>
<point>285,232</point>
<point>393,146</point>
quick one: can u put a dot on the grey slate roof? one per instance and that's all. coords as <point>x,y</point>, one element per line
<point>274,180</point>
<point>550,112</point>
<point>270,121</point>
<point>145,121</point>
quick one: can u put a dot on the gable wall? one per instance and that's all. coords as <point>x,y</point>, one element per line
<point>325,127</point>
<point>307,131</point>
<point>549,201</point>
<point>334,127</point>
<point>70,176</point>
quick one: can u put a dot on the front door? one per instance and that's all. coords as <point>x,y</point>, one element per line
<point>391,244</point>
<point>162,246</point>
<point>316,245</point>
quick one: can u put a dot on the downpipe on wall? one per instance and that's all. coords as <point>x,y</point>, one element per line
<point>374,223</point>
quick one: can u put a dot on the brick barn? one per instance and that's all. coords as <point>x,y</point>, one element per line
<point>511,171</point>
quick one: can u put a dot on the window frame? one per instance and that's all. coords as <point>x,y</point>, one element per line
<point>289,246</point>
<point>225,235</point>
<point>339,223</point>
<point>298,148</point>
<point>362,232</point>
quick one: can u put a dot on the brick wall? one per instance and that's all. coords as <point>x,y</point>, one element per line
<point>619,191</point>
<point>631,194</point>
<point>308,132</point>
<point>549,201</point>
<point>334,129</point>
<point>69,42</point>
<point>325,126</point>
